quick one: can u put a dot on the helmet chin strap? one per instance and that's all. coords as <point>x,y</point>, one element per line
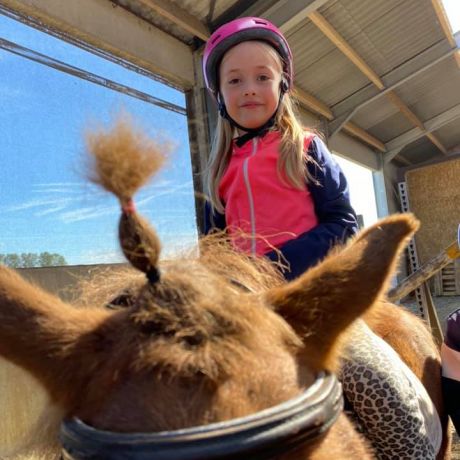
<point>250,132</point>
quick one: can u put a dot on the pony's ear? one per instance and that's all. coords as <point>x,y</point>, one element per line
<point>323,302</point>
<point>52,340</point>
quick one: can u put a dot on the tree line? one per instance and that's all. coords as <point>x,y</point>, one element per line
<point>32,259</point>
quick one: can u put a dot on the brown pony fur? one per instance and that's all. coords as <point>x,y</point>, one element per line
<point>194,347</point>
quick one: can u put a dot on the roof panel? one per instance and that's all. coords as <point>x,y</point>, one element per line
<point>433,91</point>
<point>449,134</point>
<point>385,33</point>
<point>322,78</point>
<point>201,8</point>
<point>375,113</point>
<point>318,65</point>
<point>308,45</point>
<point>383,120</point>
<point>144,11</point>
<point>392,126</point>
<point>420,151</point>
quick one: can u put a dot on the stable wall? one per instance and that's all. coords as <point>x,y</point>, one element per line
<point>434,197</point>
<point>63,281</point>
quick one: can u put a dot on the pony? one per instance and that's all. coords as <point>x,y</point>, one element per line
<point>207,356</point>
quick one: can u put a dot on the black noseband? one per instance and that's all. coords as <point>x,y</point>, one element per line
<point>259,436</point>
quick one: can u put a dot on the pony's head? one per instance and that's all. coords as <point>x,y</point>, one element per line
<point>198,340</point>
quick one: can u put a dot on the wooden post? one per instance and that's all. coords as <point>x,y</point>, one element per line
<point>425,272</point>
<point>434,323</point>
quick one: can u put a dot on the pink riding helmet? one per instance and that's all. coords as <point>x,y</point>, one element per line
<point>237,31</point>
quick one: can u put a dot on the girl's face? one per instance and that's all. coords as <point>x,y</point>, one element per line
<point>249,82</point>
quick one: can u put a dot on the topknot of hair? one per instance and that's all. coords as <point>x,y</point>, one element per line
<point>123,158</point>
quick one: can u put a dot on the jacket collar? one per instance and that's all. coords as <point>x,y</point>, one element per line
<point>267,138</point>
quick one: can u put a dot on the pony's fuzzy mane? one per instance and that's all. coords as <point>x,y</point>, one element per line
<point>184,326</point>
<point>214,252</point>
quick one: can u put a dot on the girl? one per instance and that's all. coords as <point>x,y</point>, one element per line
<point>278,192</point>
<point>271,183</point>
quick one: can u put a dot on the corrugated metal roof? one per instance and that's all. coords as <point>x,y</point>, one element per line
<point>385,123</point>
<point>145,12</point>
<point>450,134</point>
<point>385,33</point>
<point>316,53</point>
<point>420,151</point>
<point>202,8</point>
<point>323,84</point>
<point>434,91</point>
<point>199,9</point>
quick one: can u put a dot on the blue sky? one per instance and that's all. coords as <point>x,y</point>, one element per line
<point>47,205</point>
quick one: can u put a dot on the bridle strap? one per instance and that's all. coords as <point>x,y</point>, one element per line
<point>259,436</point>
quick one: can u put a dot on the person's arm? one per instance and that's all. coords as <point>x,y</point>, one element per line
<point>450,358</point>
<point>337,219</point>
<point>213,220</point>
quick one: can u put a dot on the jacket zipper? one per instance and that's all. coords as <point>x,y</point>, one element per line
<point>250,198</point>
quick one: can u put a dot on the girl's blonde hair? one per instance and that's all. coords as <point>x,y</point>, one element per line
<point>291,162</point>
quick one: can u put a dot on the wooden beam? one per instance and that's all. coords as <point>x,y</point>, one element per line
<point>346,49</point>
<point>182,18</point>
<point>404,161</point>
<point>287,14</point>
<point>425,272</point>
<point>444,21</point>
<point>445,26</point>
<point>311,102</point>
<point>454,150</point>
<point>314,104</point>
<point>436,142</point>
<point>398,143</point>
<point>404,109</point>
<point>360,133</point>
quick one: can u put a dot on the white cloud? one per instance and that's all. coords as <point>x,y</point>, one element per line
<point>39,203</point>
<point>182,189</point>
<point>68,202</point>
<point>62,200</point>
<point>87,213</point>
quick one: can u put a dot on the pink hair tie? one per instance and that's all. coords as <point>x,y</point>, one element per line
<point>128,207</point>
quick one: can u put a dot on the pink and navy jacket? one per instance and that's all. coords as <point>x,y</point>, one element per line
<point>262,212</point>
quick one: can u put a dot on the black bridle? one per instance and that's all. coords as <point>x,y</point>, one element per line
<point>259,436</point>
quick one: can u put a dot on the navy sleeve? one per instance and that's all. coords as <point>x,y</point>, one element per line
<point>337,219</point>
<point>213,220</point>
